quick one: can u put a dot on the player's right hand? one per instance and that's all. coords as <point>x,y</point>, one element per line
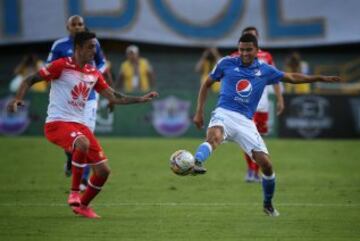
<point>13,105</point>
<point>198,120</point>
<point>332,79</point>
<point>150,96</point>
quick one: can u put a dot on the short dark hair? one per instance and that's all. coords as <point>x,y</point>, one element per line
<point>248,38</point>
<point>81,37</point>
<point>250,28</point>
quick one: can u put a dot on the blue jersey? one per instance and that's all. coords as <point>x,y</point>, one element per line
<point>242,86</point>
<point>64,47</point>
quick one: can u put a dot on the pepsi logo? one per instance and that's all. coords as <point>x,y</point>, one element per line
<point>243,88</point>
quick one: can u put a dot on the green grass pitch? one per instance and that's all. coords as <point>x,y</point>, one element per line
<point>318,193</point>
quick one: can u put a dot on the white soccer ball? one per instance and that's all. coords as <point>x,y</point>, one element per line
<point>182,162</point>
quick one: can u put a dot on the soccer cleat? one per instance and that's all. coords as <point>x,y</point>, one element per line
<point>85,211</point>
<point>198,168</point>
<point>74,198</point>
<point>270,210</point>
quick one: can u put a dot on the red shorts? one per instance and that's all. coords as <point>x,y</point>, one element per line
<point>261,122</point>
<point>64,134</point>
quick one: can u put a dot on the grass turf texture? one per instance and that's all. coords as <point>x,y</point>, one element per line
<point>318,193</point>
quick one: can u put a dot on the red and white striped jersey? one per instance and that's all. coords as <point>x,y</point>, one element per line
<point>265,57</point>
<point>70,89</point>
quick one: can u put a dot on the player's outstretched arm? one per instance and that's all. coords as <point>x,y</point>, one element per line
<point>199,114</point>
<point>121,99</point>
<point>280,104</point>
<point>21,92</point>
<point>297,78</point>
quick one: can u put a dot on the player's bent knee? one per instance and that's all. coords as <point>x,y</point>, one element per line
<point>263,160</point>
<point>215,136</point>
<point>102,170</point>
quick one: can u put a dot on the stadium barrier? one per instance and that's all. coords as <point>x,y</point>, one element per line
<point>320,116</point>
<point>305,116</point>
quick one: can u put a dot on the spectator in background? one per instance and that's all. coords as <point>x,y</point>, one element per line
<point>29,64</point>
<point>136,74</point>
<point>295,64</point>
<point>206,63</point>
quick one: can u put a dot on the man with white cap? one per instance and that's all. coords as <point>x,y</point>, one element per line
<point>136,74</point>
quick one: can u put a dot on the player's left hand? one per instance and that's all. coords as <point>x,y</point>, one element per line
<point>199,120</point>
<point>332,79</point>
<point>280,107</point>
<point>13,105</point>
<point>149,96</point>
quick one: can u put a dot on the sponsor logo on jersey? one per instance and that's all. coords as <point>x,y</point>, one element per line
<point>79,95</point>
<point>243,88</point>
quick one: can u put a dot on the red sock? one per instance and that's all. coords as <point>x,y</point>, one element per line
<point>93,188</point>
<point>78,160</point>
<point>256,167</point>
<point>248,161</point>
<point>76,177</point>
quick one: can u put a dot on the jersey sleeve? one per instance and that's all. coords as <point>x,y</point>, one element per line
<point>218,71</point>
<point>52,70</point>
<point>275,75</point>
<point>100,60</point>
<point>100,84</point>
<point>54,53</point>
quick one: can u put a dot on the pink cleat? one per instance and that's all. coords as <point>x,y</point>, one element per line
<point>74,198</point>
<point>85,211</point>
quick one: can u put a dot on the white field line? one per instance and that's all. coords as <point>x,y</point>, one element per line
<point>175,204</point>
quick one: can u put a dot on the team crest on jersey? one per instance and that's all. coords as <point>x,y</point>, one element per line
<point>79,94</point>
<point>243,88</point>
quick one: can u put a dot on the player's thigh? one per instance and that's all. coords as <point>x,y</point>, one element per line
<point>261,120</point>
<point>249,138</point>
<point>220,124</point>
<point>63,134</point>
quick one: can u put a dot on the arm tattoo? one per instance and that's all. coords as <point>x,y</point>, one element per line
<point>32,79</point>
<point>125,99</point>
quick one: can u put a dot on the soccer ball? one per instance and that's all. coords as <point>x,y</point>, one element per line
<point>182,162</point>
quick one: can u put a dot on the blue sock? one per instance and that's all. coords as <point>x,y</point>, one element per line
<point>203,152</point>
<point>86,173</point>
<point>268,184</point>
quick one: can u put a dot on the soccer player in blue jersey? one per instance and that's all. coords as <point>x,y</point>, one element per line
<point>64,47</point>
<point>243,79</point>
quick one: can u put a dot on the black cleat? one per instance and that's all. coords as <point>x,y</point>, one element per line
<point>198,168</point>
<point>270,210</point>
